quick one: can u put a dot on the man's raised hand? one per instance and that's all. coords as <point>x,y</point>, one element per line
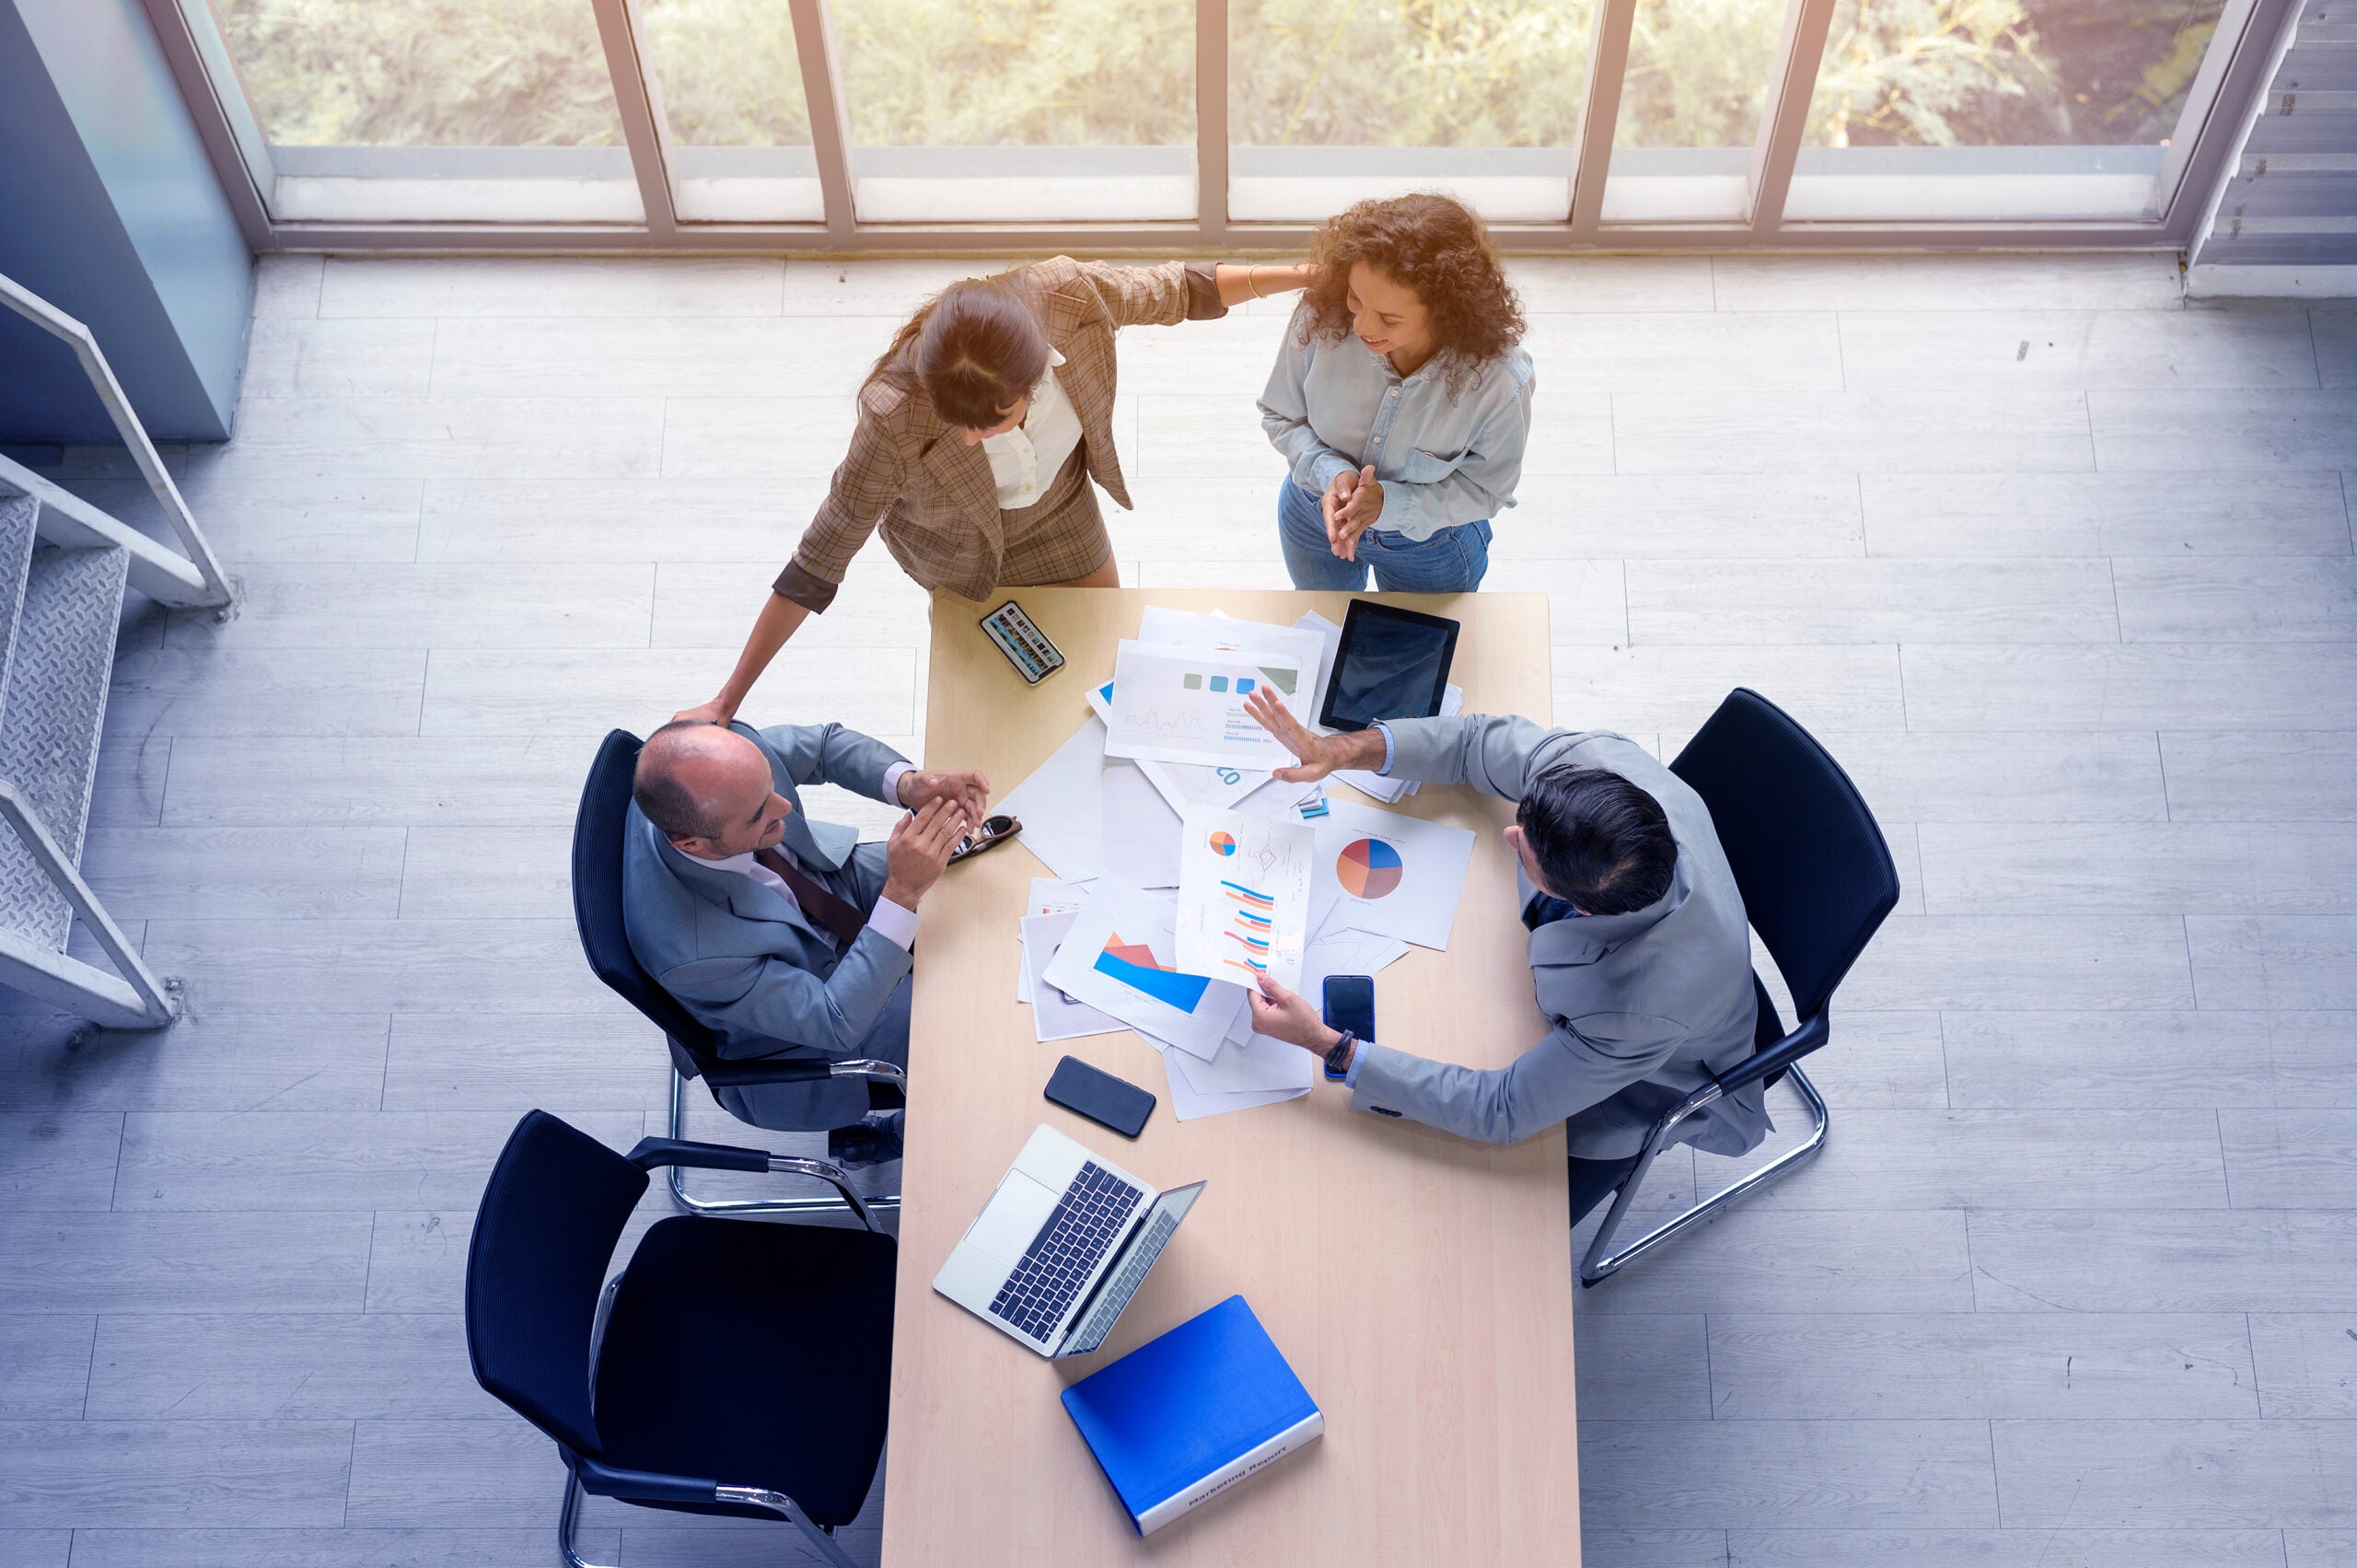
<point>918,851</point>
<point>1277,719</point>
<point>969,791</point>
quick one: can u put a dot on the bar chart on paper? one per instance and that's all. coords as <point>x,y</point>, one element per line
<point>1243,895</point>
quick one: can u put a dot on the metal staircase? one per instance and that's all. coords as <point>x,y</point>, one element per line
<point>63,567</point>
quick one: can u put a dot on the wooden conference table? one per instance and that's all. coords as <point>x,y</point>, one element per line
<point>1420,1285</point>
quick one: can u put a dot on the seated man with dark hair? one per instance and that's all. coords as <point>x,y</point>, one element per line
<point>783,935</point>
<point>1639,951</point>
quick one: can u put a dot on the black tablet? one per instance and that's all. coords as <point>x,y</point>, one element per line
<point>1393,664</point>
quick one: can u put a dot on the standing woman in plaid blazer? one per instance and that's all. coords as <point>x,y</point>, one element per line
<point>979,430</point>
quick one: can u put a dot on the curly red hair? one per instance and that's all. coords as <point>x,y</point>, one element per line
<point>1430,244</point>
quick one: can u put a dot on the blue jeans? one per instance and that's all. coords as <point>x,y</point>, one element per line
<point>1451,562</point>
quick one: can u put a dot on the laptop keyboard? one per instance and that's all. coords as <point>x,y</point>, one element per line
<point>1123,1285</point>
<point>1041,1290</point>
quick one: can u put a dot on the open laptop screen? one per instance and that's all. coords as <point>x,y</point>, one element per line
<point>1120,1282</point>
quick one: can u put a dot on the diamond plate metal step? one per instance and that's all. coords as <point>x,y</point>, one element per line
<point>18,513</point>
<point>51,714</point>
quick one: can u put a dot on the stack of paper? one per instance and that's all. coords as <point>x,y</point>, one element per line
<point>1135,929</point>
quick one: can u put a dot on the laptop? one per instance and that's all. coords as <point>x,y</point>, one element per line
<point>1062,1245</point>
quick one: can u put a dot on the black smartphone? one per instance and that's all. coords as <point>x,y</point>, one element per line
<point>1100,1096</point>
<point>1350,1004</point>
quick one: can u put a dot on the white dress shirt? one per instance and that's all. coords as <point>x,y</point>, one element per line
<point>892,921</point>
<point>1025,460</point>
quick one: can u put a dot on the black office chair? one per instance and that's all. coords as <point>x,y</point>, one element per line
<point>1816,880</point>
<point>695,1050</point>
<point>732,1367</point>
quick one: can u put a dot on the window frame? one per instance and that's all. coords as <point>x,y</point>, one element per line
<point>2231,77</point>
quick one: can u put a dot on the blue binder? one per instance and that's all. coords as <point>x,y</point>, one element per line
<point>1182,1418</point>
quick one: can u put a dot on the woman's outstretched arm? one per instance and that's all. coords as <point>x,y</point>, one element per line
<point>777,621</point>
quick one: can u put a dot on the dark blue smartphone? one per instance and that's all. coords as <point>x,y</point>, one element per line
<point>1350,1004</point>
<point>1100,1096</point>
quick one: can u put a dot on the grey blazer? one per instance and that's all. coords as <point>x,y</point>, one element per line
<point>748,963</point>
<point>1640,1003</point>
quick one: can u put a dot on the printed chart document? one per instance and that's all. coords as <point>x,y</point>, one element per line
<point>1243,895</point>
<point>1055,1015</point>
<point>1062,821</point>
<point>1120,957</point>
<point>1393,876</point>
<point>1299,646</point>
<point>1048,897</point>
<point>1176,705</point>
<point>1182,784</point>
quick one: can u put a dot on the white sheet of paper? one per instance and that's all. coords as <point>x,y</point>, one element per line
<point>1055,1015</point>
<point>1174,704</point>
<point>1120,957</point>
<point>1301,645</point>
<point>1141,830</point>
<point>1182,784</point>
<point>1188,1104</point>
<point>1258,1064</point>
<point>1406,873</point>
<point>1048,897</point>
<point>1062,821</point>
<point>1243,895</point>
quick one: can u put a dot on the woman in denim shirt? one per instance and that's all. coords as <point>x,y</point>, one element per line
<point>1401,401</point>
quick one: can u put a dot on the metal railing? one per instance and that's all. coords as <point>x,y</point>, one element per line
<point>192,580</point>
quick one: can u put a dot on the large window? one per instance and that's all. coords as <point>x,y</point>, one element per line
<point>1173,124</point>
<point>1691,105</point>
<point>727,76</point>
<point>1334,100</point>
<point>1033,111</point>
<point>2020,109</point>
<point>450,110</point>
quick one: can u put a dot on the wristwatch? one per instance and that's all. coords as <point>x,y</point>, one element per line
<point>1337,1059</point>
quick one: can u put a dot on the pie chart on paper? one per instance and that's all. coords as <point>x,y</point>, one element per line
<point>1368,869</point>
<point>1224,843</point>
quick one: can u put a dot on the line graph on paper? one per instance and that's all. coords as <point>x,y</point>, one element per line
<point>1244,886</point>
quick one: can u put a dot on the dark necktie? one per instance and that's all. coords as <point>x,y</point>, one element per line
<point>839,915</point>
<point>1544,909</point>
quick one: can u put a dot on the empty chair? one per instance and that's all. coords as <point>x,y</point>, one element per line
<point>1816,880</point>
<point>695,1050</point>
<point>732,1367</point>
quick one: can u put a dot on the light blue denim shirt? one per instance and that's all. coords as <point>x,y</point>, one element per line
<point>1442,461</point>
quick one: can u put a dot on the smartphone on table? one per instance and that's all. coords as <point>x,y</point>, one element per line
<point>1100,1096</point>
<point>1350,1004</point>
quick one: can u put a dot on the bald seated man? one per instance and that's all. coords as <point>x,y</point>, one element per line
<point>785,936</point>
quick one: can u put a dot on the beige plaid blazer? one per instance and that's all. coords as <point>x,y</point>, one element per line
<point>911,474</point>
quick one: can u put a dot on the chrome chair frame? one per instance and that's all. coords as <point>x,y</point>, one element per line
<point>1601,1261</point>
<point>875,1072</point>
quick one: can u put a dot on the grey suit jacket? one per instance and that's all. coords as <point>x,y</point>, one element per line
<point>1641,1002</point>
<point>744,959</point>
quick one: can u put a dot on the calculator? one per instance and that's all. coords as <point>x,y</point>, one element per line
<point>1026,646</point>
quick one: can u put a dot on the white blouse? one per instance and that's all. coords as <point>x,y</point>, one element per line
<point>1025,460</point>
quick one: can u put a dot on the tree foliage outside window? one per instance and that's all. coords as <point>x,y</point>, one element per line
<point>1317,73</point>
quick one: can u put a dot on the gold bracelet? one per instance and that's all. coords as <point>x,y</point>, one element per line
<point>1249,270</point>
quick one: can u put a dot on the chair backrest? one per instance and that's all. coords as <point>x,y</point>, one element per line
<point>1816,875</point>
<point>597,902</point>
<point>551,1213</point>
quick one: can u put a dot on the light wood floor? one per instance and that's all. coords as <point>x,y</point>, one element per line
<point>2059,568</point>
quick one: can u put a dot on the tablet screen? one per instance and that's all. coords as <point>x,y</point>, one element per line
<point>1392,664</point>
